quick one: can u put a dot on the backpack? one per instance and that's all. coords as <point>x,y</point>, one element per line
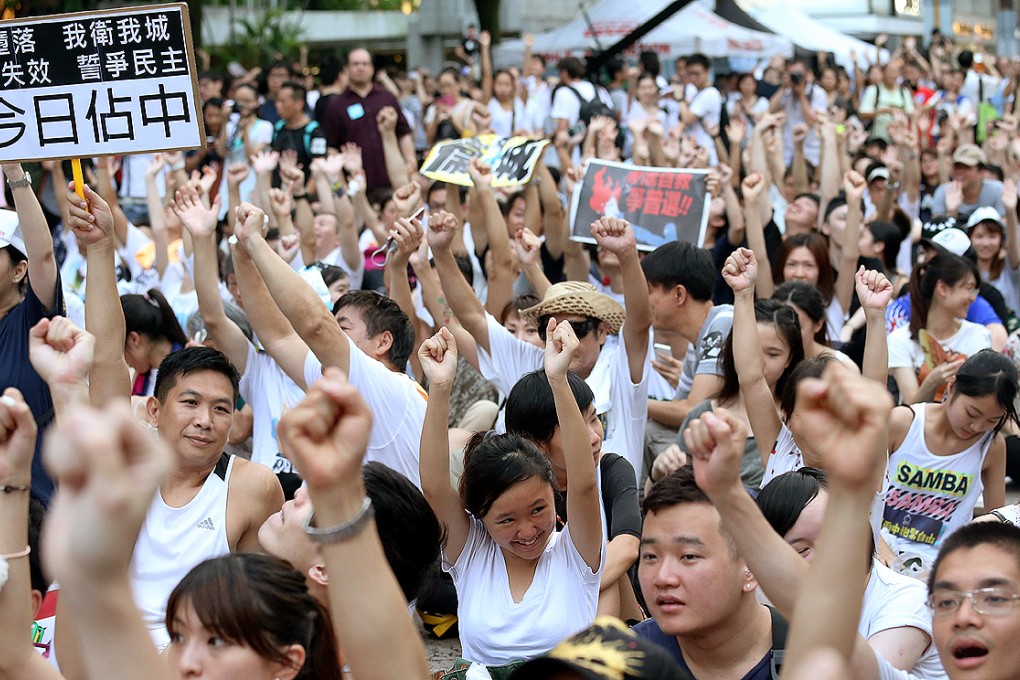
<point>591,107</point>
<point>780,629</point>
<point>309,129</point>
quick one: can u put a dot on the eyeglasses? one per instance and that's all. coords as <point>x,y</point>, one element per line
<point>581,328</point>
<point>990,601</point>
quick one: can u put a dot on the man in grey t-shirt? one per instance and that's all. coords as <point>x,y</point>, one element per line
<point>968,190</point>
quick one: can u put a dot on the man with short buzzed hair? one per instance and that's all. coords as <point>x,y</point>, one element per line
<point>351,117</point>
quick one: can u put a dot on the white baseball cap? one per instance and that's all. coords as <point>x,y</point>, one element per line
<point>985,214</point>
<point>10,232</point>
<point>954,240</point>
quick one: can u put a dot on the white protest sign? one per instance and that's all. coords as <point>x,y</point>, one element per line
<point>98,83</point>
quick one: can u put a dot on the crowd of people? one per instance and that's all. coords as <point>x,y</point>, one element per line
<point>269,401</point>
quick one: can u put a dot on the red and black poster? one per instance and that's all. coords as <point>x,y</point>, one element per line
<point>662,204</point>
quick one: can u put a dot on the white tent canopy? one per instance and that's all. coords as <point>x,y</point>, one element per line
<point>692,29</point>
<point>814,36</point>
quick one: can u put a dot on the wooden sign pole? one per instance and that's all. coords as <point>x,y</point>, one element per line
<point>79,178</point>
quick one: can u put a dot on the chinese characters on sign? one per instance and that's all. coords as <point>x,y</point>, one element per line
<point>662,204</point>
<point>512,159</point>
<point>97,83</point>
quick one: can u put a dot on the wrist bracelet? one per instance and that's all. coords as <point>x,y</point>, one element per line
<point>14,556</point>
<point>300,197</point>
<point>6,488</point>
<point>341,532</point>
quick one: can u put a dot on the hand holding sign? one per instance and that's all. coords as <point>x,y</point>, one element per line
<point>91,219</point>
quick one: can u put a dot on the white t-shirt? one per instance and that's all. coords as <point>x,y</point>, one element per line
<point>1007,283</point>
<point>818,101</point>
<point>398,409</point>
<point>621,405</point>
<point>893,600</point>
<point>505,121</point>
<point>905,352</point>
<point>785,457</point>
<point>268,390</point>
<point>561,600</point>
<point>707,106</point>
<point>566,104</point>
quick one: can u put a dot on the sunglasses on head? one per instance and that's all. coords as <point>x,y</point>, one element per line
<point>581,328</point>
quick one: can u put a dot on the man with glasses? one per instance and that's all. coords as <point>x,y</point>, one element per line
<point>617,372</point>
<point>973,588</point>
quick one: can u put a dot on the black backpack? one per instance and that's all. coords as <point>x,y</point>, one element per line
<point>591,107</point>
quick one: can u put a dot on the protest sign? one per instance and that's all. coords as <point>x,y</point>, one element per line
<point>98,83</point>
<point>662,204</point>
<point>512,159</point>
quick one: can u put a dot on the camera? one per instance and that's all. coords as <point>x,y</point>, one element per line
<point>796,78</point>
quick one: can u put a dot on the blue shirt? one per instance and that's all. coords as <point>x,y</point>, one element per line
<point>16,371</point>
<point>898,313</point>
<point>649,630</point>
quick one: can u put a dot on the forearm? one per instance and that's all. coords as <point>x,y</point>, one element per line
<point>621,553</point>
<point>537,278</point>
<point>361,560</point>
<point>16,649</point>
<point>434,462</point>
<point>1012,237</point>
<point>461,298</point>
<point>300,305</point>
<point>747,356</point>
<point>396,164</point>
<point>104,318</point>
<point>831,170</point>
<point>42,265</point>
<point>112,637</point>
<point>827,615</point>
<point>500,274</point>
<point>227,336</point>
<point>799,169</point>
<point>850,254</point>
<point>876,347</point>
<point>670,413</point>
<point>756,242</point>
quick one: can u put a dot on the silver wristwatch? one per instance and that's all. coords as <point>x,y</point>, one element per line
<point>25,181</point>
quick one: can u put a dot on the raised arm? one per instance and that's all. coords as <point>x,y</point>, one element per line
<point>201,224</point>
<point>554,218</point>
<point>617,236</point>
<point>754,188</point>
<point>583,500</point>
<point>438,356</point>
<point>42,266</point>
<point>1009,201</point>
<point>459,294</point>
<point>275,333</point>
<point>854,186</point>
<point>108,470</point>
<point>326,436</point>
<point>298,302</point>
<point>874,291</point>
<point>500,274</point>
<point>740,271</point>
<point>92,222</point>
<point>396,165</point>
<point>61,353</point>
<point>18,659</point>
<point>485,43</point>
<point>157,221</point>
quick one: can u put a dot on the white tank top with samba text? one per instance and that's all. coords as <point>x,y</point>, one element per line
<point>930,496</point>
<point>173,540</point>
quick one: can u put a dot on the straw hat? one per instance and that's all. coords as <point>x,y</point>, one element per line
<point>577,297</point>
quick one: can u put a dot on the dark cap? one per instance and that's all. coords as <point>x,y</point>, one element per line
<point>606,650</point>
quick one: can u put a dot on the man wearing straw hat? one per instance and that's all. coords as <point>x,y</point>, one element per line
<point>617,374</point>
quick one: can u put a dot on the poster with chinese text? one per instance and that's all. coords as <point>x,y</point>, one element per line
<point>98,83</point>
<point>512,159</point>
<point>662,204</point>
